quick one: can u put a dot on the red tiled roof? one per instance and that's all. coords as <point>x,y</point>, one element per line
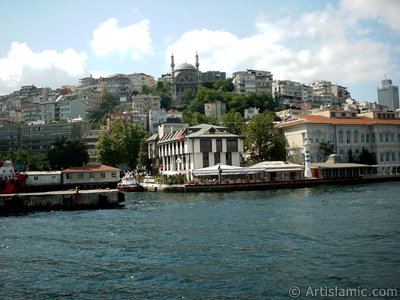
<point>100,168</point>
<point>315,119</point>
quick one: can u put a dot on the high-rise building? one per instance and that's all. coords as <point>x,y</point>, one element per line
<point>388,94</point>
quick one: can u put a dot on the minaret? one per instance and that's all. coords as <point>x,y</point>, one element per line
<point>173,87</point>
<point>197,62</point>
<point>307,170</point>
<point>198,72</point>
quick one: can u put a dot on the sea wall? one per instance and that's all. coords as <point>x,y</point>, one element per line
<point>60,200</point>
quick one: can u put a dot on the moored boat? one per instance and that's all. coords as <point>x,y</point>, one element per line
<point>129,183</point>
<point>11,181</point>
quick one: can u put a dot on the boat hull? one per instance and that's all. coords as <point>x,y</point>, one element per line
<point>131,188</point>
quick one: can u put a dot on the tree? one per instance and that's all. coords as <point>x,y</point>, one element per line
<point>124,144</point>
<point>326,148</point>
<point>367,157</point>
<point>234,122</point>
<point>263,141</point>
<point>350,156</point>
<point>27,161</point>
<point>108,102</point>
<point>67,153</point>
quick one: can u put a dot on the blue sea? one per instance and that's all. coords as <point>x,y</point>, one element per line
<point>233,245</point>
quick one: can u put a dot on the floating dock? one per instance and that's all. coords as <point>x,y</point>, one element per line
<point>60,200</point>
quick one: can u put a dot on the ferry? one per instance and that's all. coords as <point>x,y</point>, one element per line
<point>11,181</point>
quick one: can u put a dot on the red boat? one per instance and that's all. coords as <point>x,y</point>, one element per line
<point>129,183</point>
<point>11,181</point>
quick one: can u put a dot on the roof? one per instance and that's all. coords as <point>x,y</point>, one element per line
<point>277,165</point>
<point>337,165</point>
<point>185,66</point>
<point>197,131</point>
<point>100,168</point>
<point>39,173</point>
<point>316,119</point>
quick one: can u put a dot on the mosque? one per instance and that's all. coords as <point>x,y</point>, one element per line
<point>185,78</point>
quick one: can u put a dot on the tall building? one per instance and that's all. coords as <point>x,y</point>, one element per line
<point>388,94</point>
<point>252,81</point>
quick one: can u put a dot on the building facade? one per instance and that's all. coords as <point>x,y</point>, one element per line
<point>388,94</point>
<point>193,148</point>
<point>252,81</point>
<point>378,132</point>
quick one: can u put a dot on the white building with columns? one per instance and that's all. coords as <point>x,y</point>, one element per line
<point>377,131</point>
<point>194,147</point>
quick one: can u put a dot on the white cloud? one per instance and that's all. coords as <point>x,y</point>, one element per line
<point>385,11</point>
<point>317,45</point>
<point>47,68</point>
<point>133,40</point>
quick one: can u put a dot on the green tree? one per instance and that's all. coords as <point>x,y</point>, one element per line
<point>67,153</point>
<point>263,141</point>
<point>124,144</point>
<point>350,156</point>
<point>326,148</point>
<point>108,102</point>
<point>234,122</point>
<point>367,157</point>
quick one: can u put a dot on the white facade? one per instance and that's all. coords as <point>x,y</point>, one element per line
<point>252,81</point>
<point>38,178</point>
<point>380,136</point>
<point>194,148</point>
<point>287,91</point>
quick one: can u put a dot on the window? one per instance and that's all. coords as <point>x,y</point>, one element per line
<point>91,175</point>
<point>113,175</point>
<point>205,145</point>
<point>362,137</point>
<point>217,158</point>
<point>35,178</point>
<point>80,175</point>
<point>228,158</point>
<point>348,138</point>
<point>381,137</point>
<point>206,162</point>
<point>386,137</point>
<point>231,145</point>
<point>356,136</point>
<point>340,136</point>
<point>103,175</point>
<point>392,137</point>
<point>218,143</point>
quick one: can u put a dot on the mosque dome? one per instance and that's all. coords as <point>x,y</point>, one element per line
<point>185,66</point>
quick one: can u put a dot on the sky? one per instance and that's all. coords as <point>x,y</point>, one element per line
<point>52,43</point>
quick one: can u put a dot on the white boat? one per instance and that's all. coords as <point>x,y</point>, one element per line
<point>129,183</point>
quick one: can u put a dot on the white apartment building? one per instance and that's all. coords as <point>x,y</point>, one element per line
<point>287,91</point>
<point>252,81</point>
<point>194,147</point>
<point>139,80</point>
<point>377,131</point>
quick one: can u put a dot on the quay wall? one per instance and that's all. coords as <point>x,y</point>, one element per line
<point>60,200</point>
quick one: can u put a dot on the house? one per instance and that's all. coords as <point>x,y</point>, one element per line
<point>194,147</point>
<point>100,175</point>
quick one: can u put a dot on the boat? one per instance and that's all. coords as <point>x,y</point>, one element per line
<point>129,184</point>
<point>11,181</point>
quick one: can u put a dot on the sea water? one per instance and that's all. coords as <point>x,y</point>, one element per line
<point>234,245</point>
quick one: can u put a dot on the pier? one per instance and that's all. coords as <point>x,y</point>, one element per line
<point>60,200</point>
